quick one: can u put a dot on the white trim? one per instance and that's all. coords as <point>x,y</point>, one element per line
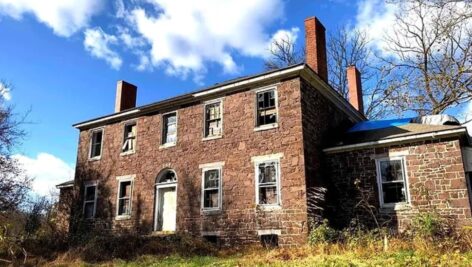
<point>121,179</point>
<point>210,233</point>
<point>64,186</point>
<point>125,124</point>
<point>212,165</point>
<point>276,96</point>
<point>268,159</point>
<point>86,185</point>
<point>269,232</point>
<point>158,186</point>
<point>92,131</point>
<point>210,102</point>
<point>398,205</point>
<point>78,126</point>
<point>432,135</point>
<point>218,167</point>
<point>170,144</point>
<point>257,159</point>
<point>390,154</point>
<point>250,81</point>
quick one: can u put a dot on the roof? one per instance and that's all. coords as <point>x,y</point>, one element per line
<point>65,184</point>
<point>228,87</point>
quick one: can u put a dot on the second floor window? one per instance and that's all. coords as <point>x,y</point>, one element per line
<point>90,200</point>
<point>213,119</point>
<point>96,144</point>
<point>129,140</point>
<point>124,198</point>
<point>266,107</point>
<point>169,131</point>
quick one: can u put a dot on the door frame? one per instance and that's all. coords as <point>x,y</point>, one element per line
<point>159,186</point>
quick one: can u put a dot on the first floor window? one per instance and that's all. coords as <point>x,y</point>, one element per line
<point>124,198</point>
<point>169,131</point>
<point>90,200</point>
<point>129,139</point>
<point>96,144</point>
<point>392,181</point>
<point>266,107</point>
<point>267,183</point>
<point>211,188</point>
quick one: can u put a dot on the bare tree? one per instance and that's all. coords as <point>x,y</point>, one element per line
<point>430,50</point>
<point>284,53</point>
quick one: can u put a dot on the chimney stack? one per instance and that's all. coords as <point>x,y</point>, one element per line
<point>315,42</point>
<point>125,96</point>
<point>354,84</point>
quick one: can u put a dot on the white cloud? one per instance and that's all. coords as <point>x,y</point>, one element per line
<point>183,40</point>
<point>46,170</point>
<point>284,35</point>
<point>98,43</point>
<point>5,91</point>
<point>65,17</point>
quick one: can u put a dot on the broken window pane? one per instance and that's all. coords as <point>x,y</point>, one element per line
<point>268,195</point>
<point>393,181</point>
<point>96,146</point>
<point>211,188</point>
<point>267,182</point>
<point>213,120</point>
<point>169,133</point>
<point>129,140</point>
<point>266,108</point>
<point>211,198</point>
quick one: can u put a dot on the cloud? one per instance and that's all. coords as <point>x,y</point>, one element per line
<point>184,40</point>
<point>98,43</point>
<point>5,91</point>
<point>65,17</point>
<point>47,171</point>
<point>283,35</point>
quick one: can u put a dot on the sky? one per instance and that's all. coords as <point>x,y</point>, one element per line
<point>63,58</point>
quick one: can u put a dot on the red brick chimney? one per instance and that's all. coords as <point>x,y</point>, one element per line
<point>355,88</point>
<point>315,42</point>
<point>125,96</point>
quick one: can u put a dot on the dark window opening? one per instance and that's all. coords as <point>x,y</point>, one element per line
<point>213,120</point>
<point>124,198</point>
<point>266,108</point>
<point>213,239</point>
<point>96,146</point>
<point>270,241</point>
<point>90,201</point>
<point>129,140</point>
<point>392,179</point>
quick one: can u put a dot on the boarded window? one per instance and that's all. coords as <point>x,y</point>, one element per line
<point>267,173</point>
<point>169,131</point>
<point>129,140</point>
<point>90,200</point>
<point>211,188</point>
<point>266,108</point>
<point>391,176</point>
<point>124,198</point>
<point>213,119</point>
<point>96,144</point>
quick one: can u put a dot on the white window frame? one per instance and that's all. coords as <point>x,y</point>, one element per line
<point>208,167</point>
<point>87,185</point>
<point>268,159</point>
<point>124,138</point>
<point>397,205</point>
<point>163,126</point>
<point>258,127</point>
<point>92,132</point>
<point>220,101</point>
<point>122,179</point>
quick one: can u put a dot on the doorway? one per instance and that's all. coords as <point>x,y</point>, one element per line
<point>166,202</point>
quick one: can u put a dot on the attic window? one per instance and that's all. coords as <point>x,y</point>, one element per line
<point>266,107</point>
<point>213,119</point>
<point>169,131</point>
<point>129,139</point>
<point>96,144</point>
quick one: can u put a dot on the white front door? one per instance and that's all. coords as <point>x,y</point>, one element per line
<point>167,211</point>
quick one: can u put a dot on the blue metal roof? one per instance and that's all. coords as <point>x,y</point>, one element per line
<point>374,125</point>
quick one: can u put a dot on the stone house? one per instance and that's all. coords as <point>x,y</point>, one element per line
<point>261,157</point>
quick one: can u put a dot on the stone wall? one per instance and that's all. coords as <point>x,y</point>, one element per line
<point>435,177</point>
<point>239,219</point>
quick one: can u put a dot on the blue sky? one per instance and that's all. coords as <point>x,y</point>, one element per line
<point>64,57</point>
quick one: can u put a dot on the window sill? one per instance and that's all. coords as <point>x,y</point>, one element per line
<point>162,233</point>
<point>212,137</point>
<point>127,153</point>
<point>122,217</point>
<point>268,207</point>
<point>266,127</point>
<point>210,212</point>
<point>95,159</point>
<point>395,207</point>
<point>164,146</point>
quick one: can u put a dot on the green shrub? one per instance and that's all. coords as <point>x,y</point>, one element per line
<point>429,225</point>
<point>322,233</point>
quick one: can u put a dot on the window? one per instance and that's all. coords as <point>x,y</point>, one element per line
<point>90,200</point>
<point>211,189</point>
<point>129,140</point>
<point>267,175</point>
<point>169,132</point>
<point>270,241</point>
<point>96,144</point>
<point>392,182</point>
<point>266,108</point>
<point>124,198</point>
<point>213,119</point>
